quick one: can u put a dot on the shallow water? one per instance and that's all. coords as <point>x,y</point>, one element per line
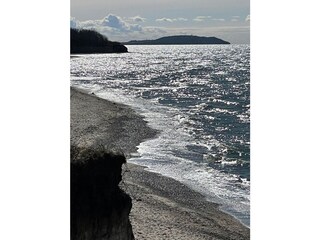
<point>198,96</point>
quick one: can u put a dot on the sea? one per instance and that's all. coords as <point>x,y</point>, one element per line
<point>198,97</point>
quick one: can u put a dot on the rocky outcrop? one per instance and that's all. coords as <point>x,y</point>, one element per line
<point>89,41</point>
<point>99,208</point>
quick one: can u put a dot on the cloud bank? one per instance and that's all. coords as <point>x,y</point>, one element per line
<point>124,29</point>
<point>120,29</point>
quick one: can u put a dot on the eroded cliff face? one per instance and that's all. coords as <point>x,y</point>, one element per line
<point>99,208</point>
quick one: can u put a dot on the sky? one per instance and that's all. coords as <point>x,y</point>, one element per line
<point>125,20</point>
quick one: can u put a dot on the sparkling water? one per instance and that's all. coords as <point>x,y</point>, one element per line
<point>198,97</point>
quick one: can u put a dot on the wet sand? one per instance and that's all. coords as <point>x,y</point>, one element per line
<point>162,207</point>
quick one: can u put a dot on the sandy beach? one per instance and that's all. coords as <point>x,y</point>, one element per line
<point>97,121</point>
<point>162,207</point>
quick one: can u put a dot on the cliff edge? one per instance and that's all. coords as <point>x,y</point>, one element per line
<point>99,208</point>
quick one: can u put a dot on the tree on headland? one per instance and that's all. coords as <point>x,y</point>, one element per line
<point>90,41</point>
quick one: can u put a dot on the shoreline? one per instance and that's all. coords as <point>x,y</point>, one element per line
<point>162,207</point>
<point>96,121</point>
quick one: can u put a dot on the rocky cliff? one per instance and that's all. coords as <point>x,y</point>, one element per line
<point>99,208</point>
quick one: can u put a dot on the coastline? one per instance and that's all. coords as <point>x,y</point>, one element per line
<point>162,207</point>
<point>96,121</point>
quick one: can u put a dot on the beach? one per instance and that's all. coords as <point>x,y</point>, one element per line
<point>162,207</point>
<point>95,121</point>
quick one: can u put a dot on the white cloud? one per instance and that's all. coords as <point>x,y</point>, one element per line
<point>114,21</point>
<point>111,23</point>
<point>201,18</point>
<point>218,19</point>
<point>164,20</point>
<point>171,19</point>
<point>73,22</point>
<point>89,24</point>
<point>248,18</point>
<point>120,29</point>
<point>138,19</point>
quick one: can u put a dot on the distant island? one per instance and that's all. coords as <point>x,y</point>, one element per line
<point>180,39</point>
<point>89,41</point>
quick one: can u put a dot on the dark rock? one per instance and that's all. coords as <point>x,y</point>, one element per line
<point>99,208</point>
